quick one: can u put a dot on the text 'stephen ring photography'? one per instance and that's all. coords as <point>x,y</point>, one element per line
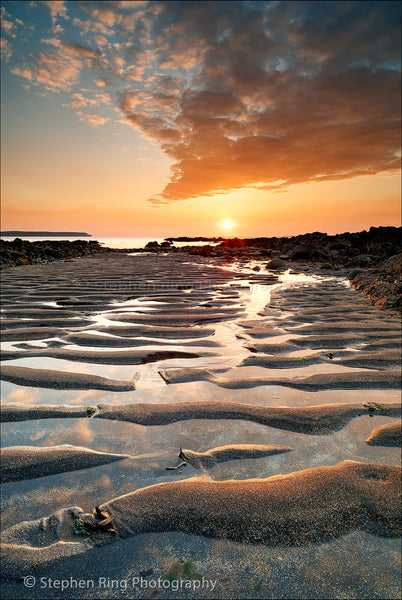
<point>201,300</point>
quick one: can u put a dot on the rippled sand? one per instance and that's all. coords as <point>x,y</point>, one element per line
<point>284,392</point>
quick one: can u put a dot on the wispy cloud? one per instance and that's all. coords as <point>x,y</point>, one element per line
<point>93,120</point>
<point>57,9</point>
<point>10,27</point>
<point>60,68</point>
<point>5,48</point>
<point>52,70</point>
<point>73,49</point>
<point>7,26</point>
<point>78,100</point>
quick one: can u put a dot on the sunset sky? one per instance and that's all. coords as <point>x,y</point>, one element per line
<point>168,118</point>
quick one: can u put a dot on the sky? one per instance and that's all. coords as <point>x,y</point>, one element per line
<point>148,118</point>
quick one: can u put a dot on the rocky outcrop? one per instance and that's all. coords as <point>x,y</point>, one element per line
<point>382,284</point>
<point>360,249</point>
<point>308,251</point>
<point>22,252</point>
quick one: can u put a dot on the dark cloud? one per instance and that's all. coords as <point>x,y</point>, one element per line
<point>81,51</point>
<point>280,93</point>
<point>246,94</point>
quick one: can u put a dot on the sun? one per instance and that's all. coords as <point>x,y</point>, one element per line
<point>227,224</point>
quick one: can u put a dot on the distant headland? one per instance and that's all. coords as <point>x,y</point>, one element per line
<point>48,233</point>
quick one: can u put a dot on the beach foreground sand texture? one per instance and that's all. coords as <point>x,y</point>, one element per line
<point>30,462</point>
<point>386,435</point>
<point>299,375</point>
<point>206,460</point>
<point>312,420</point>
<point>306,507</point>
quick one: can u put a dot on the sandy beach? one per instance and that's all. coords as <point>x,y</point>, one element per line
<point>206,409</point>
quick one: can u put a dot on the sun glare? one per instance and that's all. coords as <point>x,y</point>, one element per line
<point>228,224</point>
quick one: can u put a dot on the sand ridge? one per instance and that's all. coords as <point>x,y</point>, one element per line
<point>31,333</point>
<point>386,435</point>
<point>149,331</point>
<point>302,508</point>
<point>108,341</point>
<point>386,379</point>
<point>117,357</point>
<point>62,380</point>
<point>284,509</point>
<point>318,419</point>
<point>42,323</point>
<point>174,320</point>
<point>30,462</point>
<point>206,460</point>
<point>314,420</point>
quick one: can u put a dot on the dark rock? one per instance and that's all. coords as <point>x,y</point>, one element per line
<point>276,264</point>
<point>256,269</point>
<point>379,243</point>
<point>382,284</point>
<point>307,251</point>
<point>205,250</point>
<point>326,266</point>
<point>152,246</point>
<point>23,252</point>
<point>354,272</point>
<point>363,260</point>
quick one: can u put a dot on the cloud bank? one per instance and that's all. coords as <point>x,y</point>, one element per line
<point>238,94</point>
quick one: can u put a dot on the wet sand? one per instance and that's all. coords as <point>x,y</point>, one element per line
<point>311,420</point>
<point>247,357</point>
<point>337,381</point>
<point>132,357</point>
<point>62,380</point>
<point>206,460</point>
<point>303,508</point>
<point>29,462</point>
<point>30,333</point>
<point>386,435</point>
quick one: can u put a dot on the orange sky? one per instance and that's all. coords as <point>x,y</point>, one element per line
<point>158,119</point>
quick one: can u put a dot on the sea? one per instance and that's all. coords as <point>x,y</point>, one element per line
<point>109,242</point>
